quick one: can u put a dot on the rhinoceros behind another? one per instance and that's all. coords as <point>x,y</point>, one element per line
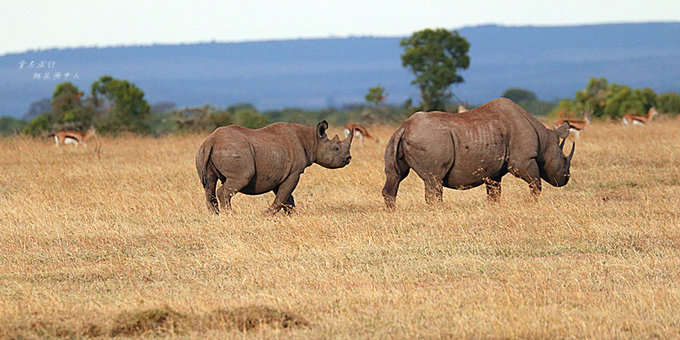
<point>267,159</point>
<point>480,146</point>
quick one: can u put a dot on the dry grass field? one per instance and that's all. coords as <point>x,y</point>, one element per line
<point>124,246</point>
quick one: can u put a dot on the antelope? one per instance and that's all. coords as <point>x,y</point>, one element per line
<point>461,108</point>
<point>98,152</point>
<point>74,137</point>
<point>575,126</point>
<point>359,131</point>
<point>631,119</point>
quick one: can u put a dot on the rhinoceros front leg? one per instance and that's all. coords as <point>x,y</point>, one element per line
<point>289,204</point>
<point>528,171</point>
<point>284,195</point>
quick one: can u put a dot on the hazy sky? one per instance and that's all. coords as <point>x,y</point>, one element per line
<point>39,24</point>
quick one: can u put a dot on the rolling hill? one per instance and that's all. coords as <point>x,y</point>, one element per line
<point>553,62</point>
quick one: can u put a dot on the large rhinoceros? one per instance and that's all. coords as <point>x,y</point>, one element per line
<point>267,159</point>
<point>480,146</point>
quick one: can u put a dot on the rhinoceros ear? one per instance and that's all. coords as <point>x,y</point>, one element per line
<point>563,130</point>
<point>321,129</point>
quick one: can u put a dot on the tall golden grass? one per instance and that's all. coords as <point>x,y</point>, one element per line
<point>124,245</point>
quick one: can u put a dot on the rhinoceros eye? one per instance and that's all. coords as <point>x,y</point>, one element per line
<point>336,147</point>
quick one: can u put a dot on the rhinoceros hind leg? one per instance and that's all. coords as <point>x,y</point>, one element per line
<point>389,192</point>
<point>433,190</point>
<point>209,187</point>
<point>228,189</point>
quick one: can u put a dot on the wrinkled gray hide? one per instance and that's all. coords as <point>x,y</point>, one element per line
<point>480,146</point>
<point>267,159</point>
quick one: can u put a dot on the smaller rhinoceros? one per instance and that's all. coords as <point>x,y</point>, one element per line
<point>268,159</point>
<point>480,146</point>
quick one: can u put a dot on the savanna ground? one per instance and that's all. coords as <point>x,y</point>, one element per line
<point>124,246</point>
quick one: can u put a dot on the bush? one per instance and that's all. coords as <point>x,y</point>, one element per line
<point>9,126</point>
<point>250,118</point>
<point>668,103</point>
<point>39,126</point>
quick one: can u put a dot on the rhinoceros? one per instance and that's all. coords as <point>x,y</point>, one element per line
<point>268,159</point>
<point>480,146</point>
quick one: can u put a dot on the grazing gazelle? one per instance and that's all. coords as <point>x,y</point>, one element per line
<point>74,137</point>
<point>98,152</point>
<point>631,119</point>
<point>359,131</point>
<point>575,126</point>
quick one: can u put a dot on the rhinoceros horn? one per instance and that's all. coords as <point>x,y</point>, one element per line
<point>571,154</point>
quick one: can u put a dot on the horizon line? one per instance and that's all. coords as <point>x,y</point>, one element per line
<point>326,37</point>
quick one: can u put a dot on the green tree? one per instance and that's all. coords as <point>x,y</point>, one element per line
<point>622,100</point>
<point>376,95</point>
<point>435,56</point>
<point>594,97</point>
<point>9,126</point>
<point>614,100</point>
<point>565,109</point>
<point>67,112</point>
<point>235,107</point>
<point>528,101</point>
<point>121,105</point>
<point>220,118</point>
<point>195,119</point>
<point>249,118</point>
<point>518,95</point>
<point>647,96</point>
<point>65,101</point>
<point>668,103</point>
<point>39,125</point>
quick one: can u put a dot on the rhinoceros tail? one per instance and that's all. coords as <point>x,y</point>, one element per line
<point>202,158</point>
<point>394,152</point>
<point>396,168</point>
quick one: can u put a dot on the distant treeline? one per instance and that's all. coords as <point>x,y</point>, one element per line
<point>610,100</point>
<point>115,106</point>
